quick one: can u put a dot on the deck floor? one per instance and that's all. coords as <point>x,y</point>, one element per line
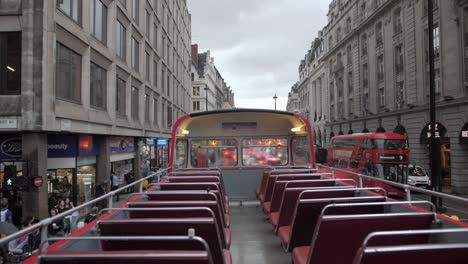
<point>253,239</point>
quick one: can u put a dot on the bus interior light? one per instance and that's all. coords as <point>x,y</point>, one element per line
<point>297,129</point>
<point>185,132</point>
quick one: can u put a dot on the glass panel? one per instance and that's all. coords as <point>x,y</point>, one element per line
<point>265,151</point>
<point>214,153</point>
<point>181,153</point>
<point>301,151</point>
<point>390,144</point>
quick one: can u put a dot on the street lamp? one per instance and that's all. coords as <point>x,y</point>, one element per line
<point>275,97</point>
<point>206,97</point>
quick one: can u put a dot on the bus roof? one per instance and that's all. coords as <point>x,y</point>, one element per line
<point>240,110</point>
<point>384,135</point>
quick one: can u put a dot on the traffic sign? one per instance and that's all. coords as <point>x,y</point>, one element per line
<point>37,181</point>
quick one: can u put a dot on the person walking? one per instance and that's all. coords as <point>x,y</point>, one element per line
<point>5,215</point>
<point>115,182</point>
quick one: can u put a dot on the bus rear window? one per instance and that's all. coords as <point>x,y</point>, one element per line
<point>390,144</point>
<point>181,153</point>
<point>213,153</point>
<point>265,151</point>
<point>301,151</point>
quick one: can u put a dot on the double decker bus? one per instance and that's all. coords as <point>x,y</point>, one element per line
<point>381,155</point>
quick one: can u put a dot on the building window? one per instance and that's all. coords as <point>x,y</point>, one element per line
<point>155,36</point>
<point>155,111</point>
<point>436,41</point>
<point>71,8</point>
<point>10,63</point>
<point>380,68</point>
<point>135,54</point>
<point>120,101</point>
<point>330,42</point>
<point>381,97</point>
<point>348,25</point>
<point>338,34</point>
<point>155,73</point>
<point>68,74</point>
<point>169,116</point>
<point>193,76</point>
<point>136,10</point>
<point>148,24</point>
<point>365,76</point>
<point>400,96</point>
<point>349,55</point>
<point>196,91</point>
<point>168,91</point>
<point>98,86</point>
<point>121,40</point>
<point>364,45</point>
<point>437,80</point>
<point>147,108</point>
<point>379,34</point>
<point>135,103</point>
<point>147,68</point>
<point>196,105</point>
<point>363,10</point>
<point>399,59</point>
<point>397,23</point>
<point>98,21</point>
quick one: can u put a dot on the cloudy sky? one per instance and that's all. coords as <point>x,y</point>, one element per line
<point>257,44</point>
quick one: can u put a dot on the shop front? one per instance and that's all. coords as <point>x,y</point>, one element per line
<point>122,157</point>
<point>10,154</point>
<point>71,167</point>
<point>162,152</point>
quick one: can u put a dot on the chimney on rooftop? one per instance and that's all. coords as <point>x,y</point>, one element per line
<point>195,54</point>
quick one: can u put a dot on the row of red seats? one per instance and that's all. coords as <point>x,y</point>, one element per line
<point>323,220</point>
<point>195,201</point>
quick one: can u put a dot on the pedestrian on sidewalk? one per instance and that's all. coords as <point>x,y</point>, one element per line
<point>115,182</point>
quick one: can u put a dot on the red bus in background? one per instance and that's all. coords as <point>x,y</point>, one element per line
<point>381,155</point>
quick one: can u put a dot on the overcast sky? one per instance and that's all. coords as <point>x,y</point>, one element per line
<point>257,45</point>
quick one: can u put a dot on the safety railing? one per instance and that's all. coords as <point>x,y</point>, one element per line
<point>406,187</point>
<point>44,224</point>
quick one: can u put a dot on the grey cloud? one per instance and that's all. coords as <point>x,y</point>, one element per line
<point>257,44</point>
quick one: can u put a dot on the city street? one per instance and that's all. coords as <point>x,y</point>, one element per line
<point>452,207</point>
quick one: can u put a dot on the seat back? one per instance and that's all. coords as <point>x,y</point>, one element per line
<point>171,205</point>
<point>291,195</point>
<point>184,179</point>
<point>338,237</point>
<point>193,186</point>
<point>204,228</point>
<point>196,173</point>
<point>274,177</point>
<point>427,254</point>
<point>187,196</point>
<point>268,174</point>
<point>280,186</point>
<point>308,211</point>
<point>128,257</point>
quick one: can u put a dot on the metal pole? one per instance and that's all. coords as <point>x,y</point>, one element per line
<point>275,97</point>
<point>206,98</point>
<point>434,141</point>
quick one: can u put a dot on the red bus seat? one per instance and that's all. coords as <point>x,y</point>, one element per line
<point>337,238</point>
<point>186,186</point>
<point>410,254</point>
<point>126,257</point>
<point>274,173</point>
<point>204,228</point>
<point>278,188</point>
<point>307,213</point>
<point>291,195</point>
<point>212,205</point>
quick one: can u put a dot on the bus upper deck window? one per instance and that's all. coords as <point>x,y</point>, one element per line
<point>213,153</point>
<point>181,153</point>
<point>301,151</point>
<point>265,151</point>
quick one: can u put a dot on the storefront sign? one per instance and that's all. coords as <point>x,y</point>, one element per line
<point>37,181</point>
<point>83,161</point>
<point>150,142</point>
<point>87,146</point>
<point>163,142</point>
<point>10,146</point>
<point>61,146</point>
<point>464,134</point>
<point>122,145</point>
<point>8,122</point>
<point>439,131</point>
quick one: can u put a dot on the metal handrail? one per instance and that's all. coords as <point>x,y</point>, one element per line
<point>43,225</point>
<point>406,187</point>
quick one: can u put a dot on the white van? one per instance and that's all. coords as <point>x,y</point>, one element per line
<point>418,177</point>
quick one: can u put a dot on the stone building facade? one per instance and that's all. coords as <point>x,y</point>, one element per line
<point>209,90</point>
<point>376,75</point>
<point>100,79</point>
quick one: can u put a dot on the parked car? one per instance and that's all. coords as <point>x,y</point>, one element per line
<point>418,177</point>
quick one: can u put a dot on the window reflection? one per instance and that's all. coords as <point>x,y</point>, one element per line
<point>265,151</point>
